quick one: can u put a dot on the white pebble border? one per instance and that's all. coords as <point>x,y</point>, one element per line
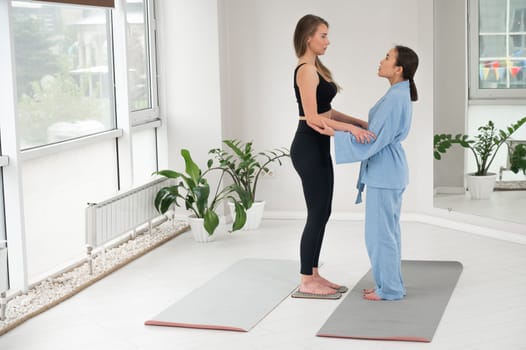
<point>54,290</point>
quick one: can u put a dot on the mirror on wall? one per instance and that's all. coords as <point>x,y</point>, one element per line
<point>506,199</point>
<point>496,66</point>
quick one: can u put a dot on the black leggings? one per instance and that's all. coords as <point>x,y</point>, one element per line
<point>311,157</point>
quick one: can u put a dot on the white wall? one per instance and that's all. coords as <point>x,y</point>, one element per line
<point>450,89</point>
<point>144,150</point>
<point>257,93</point>
<point>189,77</point>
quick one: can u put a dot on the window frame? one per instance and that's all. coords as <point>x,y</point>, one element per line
<point>146,118</point>
<point>49,148</point>
<point>98,3</point>
<point>476,94</point>
<point>148,115</point>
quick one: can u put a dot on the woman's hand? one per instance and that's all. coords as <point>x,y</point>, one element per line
<point>363,124</point>
<point>362,135</point>
<point>326,130</point>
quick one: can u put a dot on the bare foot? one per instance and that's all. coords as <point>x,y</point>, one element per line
<point>327,283</point>
<point>315,287</point>
<point>372,296</point>
<point>323,281</point>
<point>368,290</point>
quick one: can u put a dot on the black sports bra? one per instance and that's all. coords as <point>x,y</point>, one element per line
<point>325,92</point>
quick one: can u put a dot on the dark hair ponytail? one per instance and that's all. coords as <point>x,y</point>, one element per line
<point>408,60</point>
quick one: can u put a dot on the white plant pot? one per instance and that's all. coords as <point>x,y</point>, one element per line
<point>254,215</point>
<point>481,187</point>
<point>198,230</point>
<point>3,270</point>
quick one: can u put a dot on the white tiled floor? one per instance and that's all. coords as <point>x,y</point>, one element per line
<point>487,309</point>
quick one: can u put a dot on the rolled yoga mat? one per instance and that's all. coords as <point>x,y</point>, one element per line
<point>236,299</point>
<point>429,285</point>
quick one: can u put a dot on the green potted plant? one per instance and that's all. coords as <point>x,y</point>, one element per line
<point>518,159</point>
<point>245,167</point>
<point>192,191</point>
<point>484,147</point>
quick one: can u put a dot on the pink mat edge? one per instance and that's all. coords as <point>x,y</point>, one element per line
<point>412,339</point>
<point>191,325</point>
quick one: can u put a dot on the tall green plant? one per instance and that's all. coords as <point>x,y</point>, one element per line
<point>246,166</point>
<point>484,145</point>
<point>193,190</point>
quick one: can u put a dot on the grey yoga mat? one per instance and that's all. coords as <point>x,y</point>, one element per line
<point>429,285</point>
<point>236,299</point>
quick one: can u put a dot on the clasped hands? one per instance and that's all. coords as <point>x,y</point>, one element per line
<point>361,135</point>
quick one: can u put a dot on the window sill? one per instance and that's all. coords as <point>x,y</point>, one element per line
<point>42,151</point>
<point>497,101</point>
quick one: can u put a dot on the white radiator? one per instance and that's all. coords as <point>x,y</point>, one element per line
<point>122,214</point>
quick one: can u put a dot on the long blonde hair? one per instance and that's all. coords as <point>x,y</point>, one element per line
<point>306,28</point>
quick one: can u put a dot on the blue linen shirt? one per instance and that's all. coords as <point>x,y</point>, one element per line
<point>383,161</point>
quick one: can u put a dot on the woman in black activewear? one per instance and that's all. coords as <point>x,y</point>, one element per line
<point>310,150</point>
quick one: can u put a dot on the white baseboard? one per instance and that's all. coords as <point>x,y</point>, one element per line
<point>449,190</point>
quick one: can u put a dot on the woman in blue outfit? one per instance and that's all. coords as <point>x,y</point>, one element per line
<point>384,170</point>
<point>310,150</point>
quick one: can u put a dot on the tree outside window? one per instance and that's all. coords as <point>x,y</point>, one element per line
<point>64,84</point>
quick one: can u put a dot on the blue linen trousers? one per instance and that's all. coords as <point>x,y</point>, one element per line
<point>383,240</point>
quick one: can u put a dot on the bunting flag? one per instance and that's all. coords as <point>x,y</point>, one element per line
<point>485,72</point>
<point>495,66</point>
<point>515,70</point>
<point>500,72</point>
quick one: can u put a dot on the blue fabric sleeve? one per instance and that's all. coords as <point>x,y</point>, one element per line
<point>347,149</point>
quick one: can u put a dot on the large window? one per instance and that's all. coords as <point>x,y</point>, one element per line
<point>141,61</point>
<point>497,49</point>
<point>63,73</point>
<point>138,70</point>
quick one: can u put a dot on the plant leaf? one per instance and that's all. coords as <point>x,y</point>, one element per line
<point>190,167</point>
<point>211,221</point>
<point>241,217</point>
<point>169,174</point>
<point>165,198</point>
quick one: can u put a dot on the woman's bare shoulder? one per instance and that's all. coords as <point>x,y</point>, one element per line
<point>307,68</point>
<point>307,72</point>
